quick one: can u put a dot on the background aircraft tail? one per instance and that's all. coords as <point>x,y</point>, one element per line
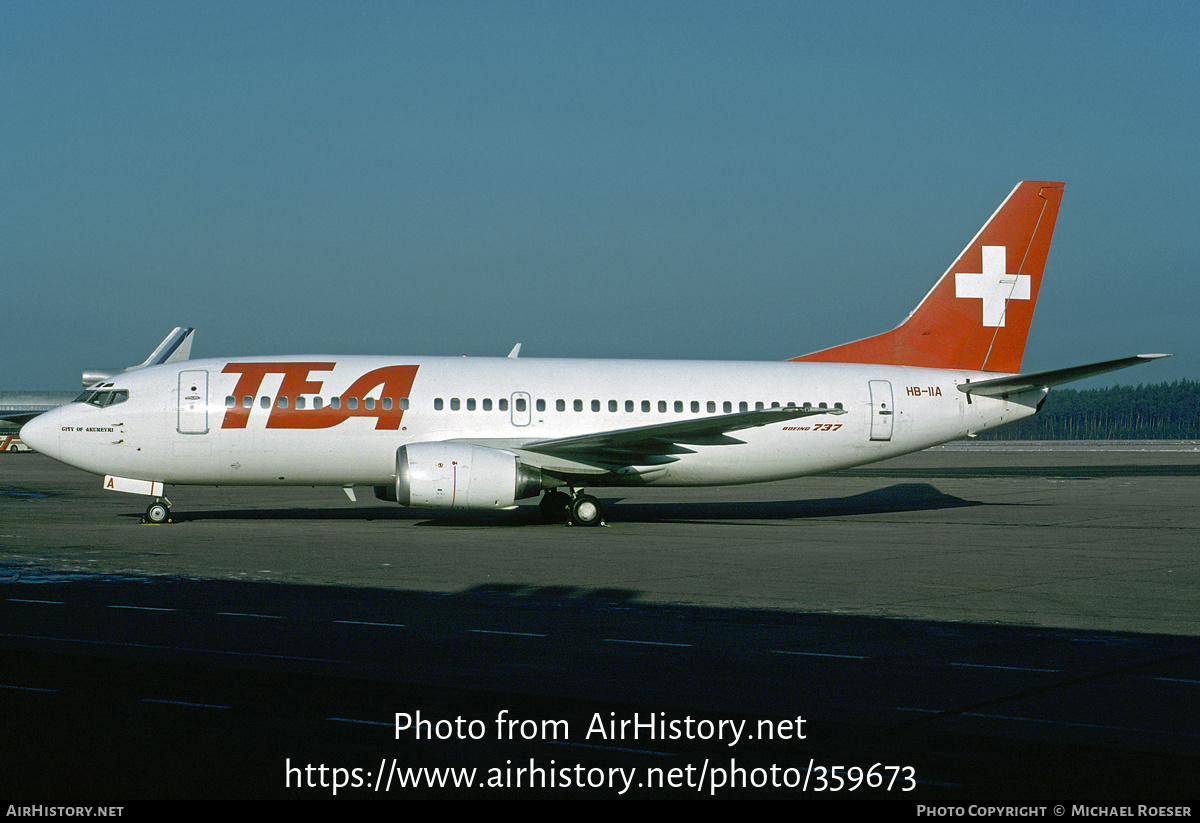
<point>175,347</point>
<point>977,316</point>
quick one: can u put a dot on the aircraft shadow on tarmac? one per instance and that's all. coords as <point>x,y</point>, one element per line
<point>978,710</point>
<point>901,497</point>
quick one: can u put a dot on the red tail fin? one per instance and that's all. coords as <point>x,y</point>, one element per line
<point>977,316</point>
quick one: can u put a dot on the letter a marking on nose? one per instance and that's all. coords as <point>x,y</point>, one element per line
<point>993,285</point>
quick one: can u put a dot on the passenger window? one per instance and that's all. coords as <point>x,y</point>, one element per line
<point>470,404</point>
<point>645,406</point>
<point>521,404</point>
<point>247,402</point>
<point>595,405</point>
<point>695,407</point>
<point>282,402</point>
<point>727,407</point>
<point>299,402</point>
<point>612,405</point>
<point>352,402</point>
<point>318,402</point>
<point>369,403</point>
<point>335,402</point>
<point>541,404</point>
<point>578,405</point>
<point>437,403</point>
<point>487,404</point>
<point>454,404</point>
<point>502,404</point>
<point>712,406</point>
<point>387,404</point>
<point>264,402</point>
<point>230,402</point>
<point>743,406</point>
<point>560,405</point>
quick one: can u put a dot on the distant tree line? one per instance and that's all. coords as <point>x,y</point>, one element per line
<point>1162,411</point>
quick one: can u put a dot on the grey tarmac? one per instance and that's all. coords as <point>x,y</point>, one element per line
<point>1081,535</point>
<point>1015,622</point>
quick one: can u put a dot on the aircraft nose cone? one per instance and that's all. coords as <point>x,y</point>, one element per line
<point>42,432</point>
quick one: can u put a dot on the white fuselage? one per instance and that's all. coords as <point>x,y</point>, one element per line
<point>273,421</point>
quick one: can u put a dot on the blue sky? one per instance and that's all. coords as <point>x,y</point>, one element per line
<point>644,179</point>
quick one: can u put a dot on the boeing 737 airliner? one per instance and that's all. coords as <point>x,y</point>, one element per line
<point>483,433</point>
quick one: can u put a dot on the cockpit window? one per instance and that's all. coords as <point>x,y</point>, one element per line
<point>103,399</point>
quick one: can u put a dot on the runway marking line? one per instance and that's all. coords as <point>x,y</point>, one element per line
<point>171,648</point>
<point>247,614</point>
<point>497,631</point>
<point>361,722</point>
<point>609,748</point>
<point>1006,668</point>
<point>1078,725</point>
<point>821,654</point>
<point>184,703</point>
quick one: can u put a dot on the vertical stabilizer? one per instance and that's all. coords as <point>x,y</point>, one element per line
<point>977,316</point>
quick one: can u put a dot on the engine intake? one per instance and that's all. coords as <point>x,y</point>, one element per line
<point>459,476</point>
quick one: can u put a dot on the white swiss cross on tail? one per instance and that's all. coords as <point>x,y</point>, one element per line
<point>994,286</point>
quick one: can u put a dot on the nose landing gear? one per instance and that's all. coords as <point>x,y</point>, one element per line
<point>158,512</point>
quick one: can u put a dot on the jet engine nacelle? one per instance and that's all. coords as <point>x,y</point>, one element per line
<point>460,476</point>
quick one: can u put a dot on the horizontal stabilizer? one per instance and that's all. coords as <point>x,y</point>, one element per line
<point>1017,383</point>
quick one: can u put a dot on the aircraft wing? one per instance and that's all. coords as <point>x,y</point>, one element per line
<point>1017,383</point>
<point>19,417</point>
<point>18,408</point>
<point>648,445</point>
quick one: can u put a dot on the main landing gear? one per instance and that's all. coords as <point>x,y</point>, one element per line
<point>158,512</point>
<point>578,509</point>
